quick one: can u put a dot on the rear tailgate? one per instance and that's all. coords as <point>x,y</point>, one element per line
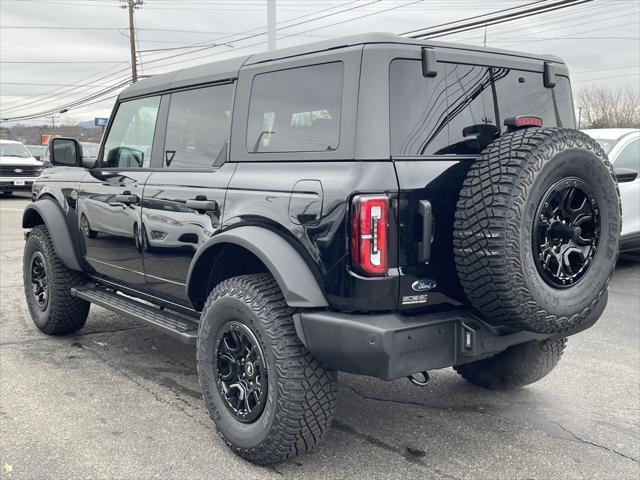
<point>439,125</point>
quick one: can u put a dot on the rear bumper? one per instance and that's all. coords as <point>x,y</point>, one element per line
<point>391,345</point>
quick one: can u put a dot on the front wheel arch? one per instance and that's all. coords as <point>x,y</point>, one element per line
<point>47,212</point>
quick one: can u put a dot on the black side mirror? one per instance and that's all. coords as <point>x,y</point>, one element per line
<point>65,152</point>
<point>625,174</point>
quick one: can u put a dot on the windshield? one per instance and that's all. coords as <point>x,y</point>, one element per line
<point>90,149</point>
<point>14,150</point>
<point>37,149</point>
<point>606,143</point>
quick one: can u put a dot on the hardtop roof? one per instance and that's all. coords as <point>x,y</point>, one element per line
<point>229,69</point>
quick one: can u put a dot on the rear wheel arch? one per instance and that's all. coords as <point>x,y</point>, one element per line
<point>253,249</point>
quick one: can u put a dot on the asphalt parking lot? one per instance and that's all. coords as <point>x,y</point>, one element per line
<point>120,401</point>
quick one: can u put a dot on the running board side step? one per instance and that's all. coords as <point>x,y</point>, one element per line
<point>171,323</point>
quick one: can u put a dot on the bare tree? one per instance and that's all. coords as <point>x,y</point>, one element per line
<point>603,107</point>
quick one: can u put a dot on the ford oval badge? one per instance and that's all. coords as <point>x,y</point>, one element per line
<point>423,285</point>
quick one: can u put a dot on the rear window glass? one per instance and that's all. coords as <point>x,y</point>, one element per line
<point>296,110</point>
<point>463,108</point>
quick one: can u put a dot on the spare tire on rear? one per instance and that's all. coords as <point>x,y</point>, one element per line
<point>537,229</point>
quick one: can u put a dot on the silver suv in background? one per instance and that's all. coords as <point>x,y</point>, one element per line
<point>18,168</point>
<point>622,145</point>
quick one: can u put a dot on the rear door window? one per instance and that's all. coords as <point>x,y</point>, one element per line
<point>198,127</point>
<point>296,110</point>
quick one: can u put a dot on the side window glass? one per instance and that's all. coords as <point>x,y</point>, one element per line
<point>131,134</point>
<point>629,156</point>
<point>418,108</point>
<point>471,111</point>
<point>296,110</point>
<point>198,127</point>
<point>524,93</point>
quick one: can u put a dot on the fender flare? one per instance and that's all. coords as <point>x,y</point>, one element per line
<point>53,218</point>
<point>294,277</point>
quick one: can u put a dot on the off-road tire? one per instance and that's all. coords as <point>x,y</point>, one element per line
<point>494,222</point>
<point>516,367</point>
<point>301,394</point>
<point>64,313</point>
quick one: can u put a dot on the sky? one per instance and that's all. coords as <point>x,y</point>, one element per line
<point>56,52</point>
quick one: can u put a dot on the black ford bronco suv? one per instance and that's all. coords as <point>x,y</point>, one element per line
<point>372,204</point>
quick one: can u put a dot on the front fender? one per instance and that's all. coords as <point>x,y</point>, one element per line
<point>299,286</point>
<point>48,212</point>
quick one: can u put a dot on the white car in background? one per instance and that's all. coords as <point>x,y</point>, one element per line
<point>18,168</point>
<point>622,145</point>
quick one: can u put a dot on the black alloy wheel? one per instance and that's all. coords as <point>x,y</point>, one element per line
<point>565,232</point>
<point>39,281</point>
<point>241,372</point>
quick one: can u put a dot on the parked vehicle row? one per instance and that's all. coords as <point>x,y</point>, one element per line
<point>18,168</point>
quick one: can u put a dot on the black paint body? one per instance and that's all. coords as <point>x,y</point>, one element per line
<point>142,237</point>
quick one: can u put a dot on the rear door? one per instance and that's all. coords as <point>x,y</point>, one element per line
<point>110,196</point>
<point>183,201</point>
<point>438,126</point>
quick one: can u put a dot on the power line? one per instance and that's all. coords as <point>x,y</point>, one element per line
<point>21,107</point>
<point>283,28</point>
<point>584,12</point>
<point>607,78</point>
<point>478,22</point>
<point>68,106</point>
<point>48,84</point>
<point>263,32</point>
<point>418,30</point>
<point>90,81</point>
<point>621,67</point>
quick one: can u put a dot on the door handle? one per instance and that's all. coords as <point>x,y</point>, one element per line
<point>424,247</point>
<point>202,204</point>
<point>127,198</point>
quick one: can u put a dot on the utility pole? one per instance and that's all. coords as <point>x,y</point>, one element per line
<point>271,24</point>
<point>132,5</point>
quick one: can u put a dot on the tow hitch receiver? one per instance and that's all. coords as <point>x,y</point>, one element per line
<point>413,378</point>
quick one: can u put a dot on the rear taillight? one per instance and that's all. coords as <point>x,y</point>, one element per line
<point>369,234</point>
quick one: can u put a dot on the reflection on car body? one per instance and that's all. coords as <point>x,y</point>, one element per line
<point>105,206</point>
<point>177,226</point>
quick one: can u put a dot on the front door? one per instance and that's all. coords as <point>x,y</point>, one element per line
<point>110,197</point>
<point>183,202</point>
